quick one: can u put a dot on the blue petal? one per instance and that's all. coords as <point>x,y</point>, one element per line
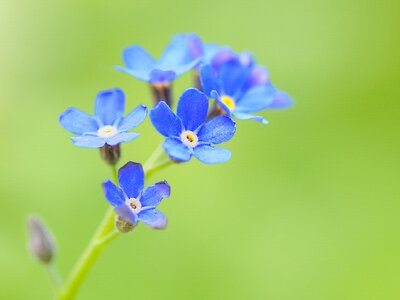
<point>153,195</point>
<point>177,150</point>
<point>223,56</point>
<point>233,76</point>
<point>141,75</point>
<point>136,58</point>
<point>194,43</point>
<point>281,100</point>
<point>133,119</point>
<point>110,106</point>
<point>246,59</point>
<point>126,213</point>
<point>218,130</point>
<point>162,76</point>
<point>211,50</point>
<point>246,116</point>
<point>192,109</point>
<point>211,155</point>
<point>113,194</point>
<point>131,179</point>
<point>153,218</point>
<point>258,76</point>
<point>209,80</point>
<point>122,137</point>
<point>165,121</point>
<point>77,121</point>
<point>256,99</point>
<point>221,104</point>
<point>88,141</point>
<point>179,54</point>
<point>180,70</point>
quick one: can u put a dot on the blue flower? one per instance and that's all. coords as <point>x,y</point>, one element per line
<point>107,126</point>
<point>188,133</point>
<point>133,204</point>
<point>241,88</point>
<point>178,58</point>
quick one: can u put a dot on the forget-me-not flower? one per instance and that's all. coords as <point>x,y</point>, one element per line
<point>188,133</point>
<point>177,59</point>
<point>131,202</point>
<point>241,89</point>
<point>107,126</point>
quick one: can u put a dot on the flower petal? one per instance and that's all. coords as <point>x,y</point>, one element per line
<point>233,76</point>
<point>137,58</point>
<point>211,155</point>
<point>78,122</point>
<point>211,50</point>
<point>153,218</point>
<point>113,194</point>
<point>179,54</point>
<point>133,119</point>
<point>192,109</point>
<point>281,100</point>
<point>221,104</point>
<point>153,195</point>
<point>256,99</point>
<point>218,130</point>
<point>162,76</point>
<point>138,74</point>
<point>258,76</point>
<point>131,179</point>
<point>122,137</point>
<point>88,141</point>
<point>126,213</point>
<point>246,116</point>
<point>110,106</point>
<point>209,80</point>
<point>165,121</point>
<point>177,150</point>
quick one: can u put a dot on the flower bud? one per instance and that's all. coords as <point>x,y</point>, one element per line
<point>122,225</point>
<point>40,243</point>
<point>162,92</point>
<point>110,154</point>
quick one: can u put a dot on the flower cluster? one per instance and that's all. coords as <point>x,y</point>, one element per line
<point>236,84</point>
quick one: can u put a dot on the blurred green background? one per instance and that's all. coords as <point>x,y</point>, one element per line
<point>307,208</point>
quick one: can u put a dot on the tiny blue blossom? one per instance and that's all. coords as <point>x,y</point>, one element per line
<point>131,202</point>
<point>107,126</point>
<point>178,58</point>
<point>241,88</point>
<point>188,133</point>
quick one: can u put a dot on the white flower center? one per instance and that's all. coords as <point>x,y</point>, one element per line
<point>134,205</point>
<point>107,131</point>
<point>189,138</point>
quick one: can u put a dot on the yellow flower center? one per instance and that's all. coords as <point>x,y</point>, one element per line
<point>134,205</point>
<point>229,102</point>
<point>189,138</point>
<point>107,131</point>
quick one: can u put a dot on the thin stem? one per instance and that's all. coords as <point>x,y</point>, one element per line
<point>92,251</point>
<point>55,276</point>
<point>105,233</point>
<point>108,238</point>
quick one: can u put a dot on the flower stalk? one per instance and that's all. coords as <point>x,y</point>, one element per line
<point>104,234</point>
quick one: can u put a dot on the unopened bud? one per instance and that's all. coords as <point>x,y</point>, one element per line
<point>123,226</point>
<point>110,154</point>
<point>41,243</point>
<point>161,92</point>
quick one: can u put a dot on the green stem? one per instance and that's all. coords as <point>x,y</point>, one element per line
<point>105,233</point>
<point>55,276</point>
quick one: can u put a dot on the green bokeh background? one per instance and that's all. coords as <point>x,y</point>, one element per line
<point>307,208</point>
